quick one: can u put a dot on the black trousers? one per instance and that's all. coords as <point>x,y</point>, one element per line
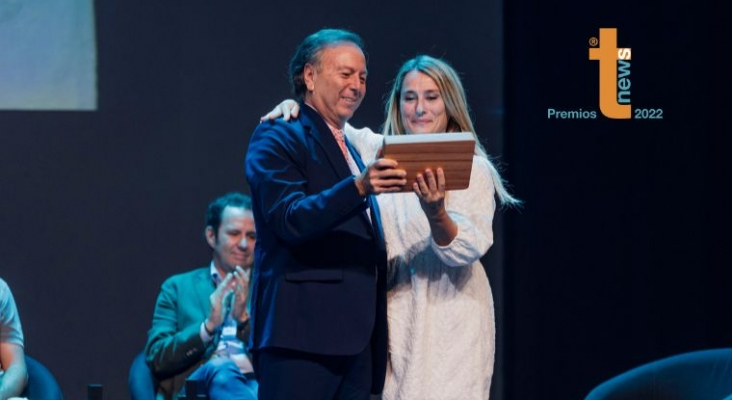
<point>293,375</point>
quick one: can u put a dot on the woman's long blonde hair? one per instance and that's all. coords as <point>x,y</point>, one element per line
<point>456,107</point>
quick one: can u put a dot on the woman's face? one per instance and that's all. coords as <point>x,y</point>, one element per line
<point>421,105</point>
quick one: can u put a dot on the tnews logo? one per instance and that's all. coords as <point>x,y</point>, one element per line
<point>615,83</point>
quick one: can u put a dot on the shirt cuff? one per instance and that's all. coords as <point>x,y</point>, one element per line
<point>204,335</point>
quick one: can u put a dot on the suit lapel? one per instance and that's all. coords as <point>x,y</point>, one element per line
<point>203,287</point>
<point>316,127</point>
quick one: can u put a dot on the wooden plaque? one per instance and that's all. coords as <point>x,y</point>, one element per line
<point>453,152</point>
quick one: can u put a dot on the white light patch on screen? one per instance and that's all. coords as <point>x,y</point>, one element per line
<point>47,55</point>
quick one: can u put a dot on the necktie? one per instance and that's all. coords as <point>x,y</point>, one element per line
<point>374,206</point>
<point>338,133</point>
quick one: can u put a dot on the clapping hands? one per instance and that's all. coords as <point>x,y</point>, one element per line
<point>231,294</point>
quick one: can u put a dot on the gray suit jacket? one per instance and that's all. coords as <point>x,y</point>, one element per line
<point>174,347</point>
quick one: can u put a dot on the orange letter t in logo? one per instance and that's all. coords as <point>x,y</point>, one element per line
<point>608,54</point>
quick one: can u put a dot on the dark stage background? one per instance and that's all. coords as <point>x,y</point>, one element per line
<point>615,259</point>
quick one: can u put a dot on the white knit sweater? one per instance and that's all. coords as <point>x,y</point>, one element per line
<point>440,306</point>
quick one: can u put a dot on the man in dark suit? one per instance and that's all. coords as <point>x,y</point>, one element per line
<point>319,298</point>
<point>201,320</point>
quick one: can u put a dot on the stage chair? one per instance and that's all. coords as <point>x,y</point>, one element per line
<point>42,385</point>
<point>140,382</point>
<point>696,375</point>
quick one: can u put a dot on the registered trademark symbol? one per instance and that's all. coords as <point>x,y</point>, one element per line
<point>594,41</point>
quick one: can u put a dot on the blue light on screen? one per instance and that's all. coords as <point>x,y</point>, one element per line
<point>47,55</point>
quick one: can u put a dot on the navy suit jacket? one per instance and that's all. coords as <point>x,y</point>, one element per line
<point>317,255</point>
